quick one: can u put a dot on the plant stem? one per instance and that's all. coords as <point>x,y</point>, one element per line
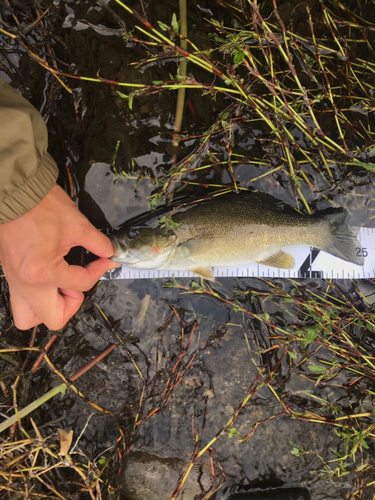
<point>182,68</point>
<point>32,406</point>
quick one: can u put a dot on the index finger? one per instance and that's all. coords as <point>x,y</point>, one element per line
<point>95,242</point>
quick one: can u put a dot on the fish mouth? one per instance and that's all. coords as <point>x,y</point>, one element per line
<point>118,250</point>
<point>129,264</point>
<point>117,258</point>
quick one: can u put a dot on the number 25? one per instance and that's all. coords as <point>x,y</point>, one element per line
<point>362,252</point>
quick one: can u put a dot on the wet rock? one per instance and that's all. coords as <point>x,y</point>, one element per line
<point>146,476</point>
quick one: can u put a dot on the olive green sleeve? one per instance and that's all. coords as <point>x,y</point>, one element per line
<point>27,171</point>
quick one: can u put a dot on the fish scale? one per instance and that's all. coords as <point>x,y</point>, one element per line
<point>237,228</point>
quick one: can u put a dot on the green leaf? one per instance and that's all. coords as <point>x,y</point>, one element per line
<point>266,315</point>
<point>175,24</point>
<point>234,37</point>
<point>310,60</point>
<point>232,432</point>
<point>131,98</point>
<point>163,26</point>
<point>217,23</point>
<point>102,461</point>
<point>157,82</point>
<point>167,220</point>
<point>169,284</point>
<point>292,355</point>
<point>311,336</point>
<point>296,452</point>
<point>216,38</point>
<point>296,181</point>
<point>124,96</point>
<point>368,166</point>
<point>317,369</point>
<point>239,56</point>
<point>364,444</point>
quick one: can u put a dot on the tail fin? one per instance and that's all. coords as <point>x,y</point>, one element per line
<point>343,242</point>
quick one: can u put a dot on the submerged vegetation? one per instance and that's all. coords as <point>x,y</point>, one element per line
<point>294,89</point>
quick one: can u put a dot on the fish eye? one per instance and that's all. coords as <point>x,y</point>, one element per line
<point>132,233</point>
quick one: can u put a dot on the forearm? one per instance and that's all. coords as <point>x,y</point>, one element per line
<point>27,171</point>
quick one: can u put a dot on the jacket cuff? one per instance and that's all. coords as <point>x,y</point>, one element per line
<point>31,192</point>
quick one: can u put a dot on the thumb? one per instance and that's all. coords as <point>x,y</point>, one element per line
<point>99,267</point>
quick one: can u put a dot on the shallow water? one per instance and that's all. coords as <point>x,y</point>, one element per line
<point>208,380</point>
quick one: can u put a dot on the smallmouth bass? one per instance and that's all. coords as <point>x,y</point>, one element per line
<point>229,230</point>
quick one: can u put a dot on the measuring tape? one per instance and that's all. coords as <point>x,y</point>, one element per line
<point>310,263</point>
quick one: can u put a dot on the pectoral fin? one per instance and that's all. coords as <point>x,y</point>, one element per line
<point>280,259</point>
<point>204,272</point>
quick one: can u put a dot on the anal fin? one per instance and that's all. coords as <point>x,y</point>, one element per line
<point>204,272</point>
<point>280,259</point>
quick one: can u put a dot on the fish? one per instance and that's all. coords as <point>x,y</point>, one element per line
<point>228,230</point>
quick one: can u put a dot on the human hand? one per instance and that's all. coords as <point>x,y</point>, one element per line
<point>43,287</point>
